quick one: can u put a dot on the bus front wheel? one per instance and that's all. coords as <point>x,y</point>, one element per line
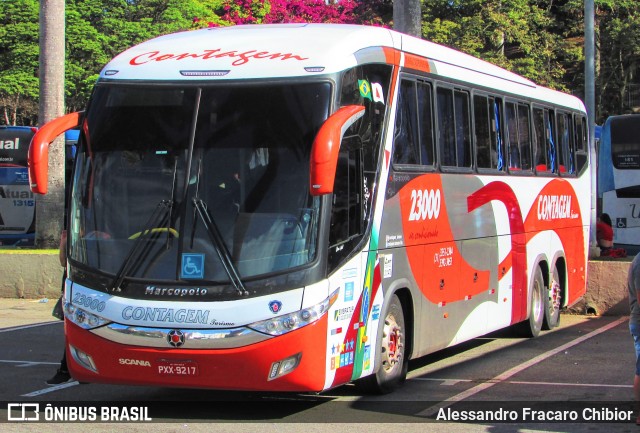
<point>392,371</point>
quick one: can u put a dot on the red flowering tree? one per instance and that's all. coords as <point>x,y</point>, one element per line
<point>311,11</point>
<point>374,12</point>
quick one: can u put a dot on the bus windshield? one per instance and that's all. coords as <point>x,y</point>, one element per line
<point>196,184</point>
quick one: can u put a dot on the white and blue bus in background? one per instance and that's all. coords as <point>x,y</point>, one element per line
<point>17,202</point>
<point>619,177</point>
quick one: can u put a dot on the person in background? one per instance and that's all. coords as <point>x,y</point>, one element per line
<point>633,285</point>
<point>604,232</point>
<point>62,375</point>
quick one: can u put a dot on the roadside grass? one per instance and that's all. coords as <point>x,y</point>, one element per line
<point>21,251</point>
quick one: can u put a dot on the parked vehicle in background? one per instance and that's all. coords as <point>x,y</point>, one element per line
<point>17,202</point>
<point>295,207</point>
<point>619,178</point>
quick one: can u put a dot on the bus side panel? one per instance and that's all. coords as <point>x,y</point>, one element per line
<point>355,317</point>
<point>465,242</point>
<point>445,251</point>
<point>557,208</point>
<point>625,216</point>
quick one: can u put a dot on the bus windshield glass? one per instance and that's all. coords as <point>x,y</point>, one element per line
<point>196,184</point>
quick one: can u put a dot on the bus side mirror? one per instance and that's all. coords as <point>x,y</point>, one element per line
<point>39,149</point>
<point>326,147</point>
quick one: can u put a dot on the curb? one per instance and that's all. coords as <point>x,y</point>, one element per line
<point>38,275</point>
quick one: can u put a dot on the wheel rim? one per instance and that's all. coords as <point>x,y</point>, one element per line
<point>554,297</point>
<point>538,307</point>
<point>392,345</point>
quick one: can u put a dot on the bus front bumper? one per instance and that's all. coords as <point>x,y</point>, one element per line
<point>293,362</point>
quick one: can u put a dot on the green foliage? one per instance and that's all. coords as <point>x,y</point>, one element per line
<point>513,34</point>
<point>619,37</point>
<point>18,61</point>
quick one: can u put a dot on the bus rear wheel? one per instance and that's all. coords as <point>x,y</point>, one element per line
<point>391,348</point>
<point>553,302</point>
<point>531,327</point>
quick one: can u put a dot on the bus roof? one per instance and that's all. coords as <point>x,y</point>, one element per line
<point>301,50</point>
<point>626,120</point>
<point>247,51</point>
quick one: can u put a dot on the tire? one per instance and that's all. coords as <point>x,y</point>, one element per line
<point>391,353</point>
<point>531,327</point>
<point>552,302</point>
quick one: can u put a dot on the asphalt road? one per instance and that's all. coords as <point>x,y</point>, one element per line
<point>583,369</point>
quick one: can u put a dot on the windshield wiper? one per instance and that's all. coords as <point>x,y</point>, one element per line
<point>140,249</point>
<point>173,200</point>
<point>159,218</point>
<point>220,246</point>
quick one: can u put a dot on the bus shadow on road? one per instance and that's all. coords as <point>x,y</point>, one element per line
<point>409,404</point>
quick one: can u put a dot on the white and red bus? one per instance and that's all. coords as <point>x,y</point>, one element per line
<point>295,207</point>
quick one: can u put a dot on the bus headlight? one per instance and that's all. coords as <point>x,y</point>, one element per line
<point>83,318</point>
<point>296,320</point>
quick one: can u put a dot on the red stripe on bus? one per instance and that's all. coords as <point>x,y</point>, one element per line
<point>503,193</point>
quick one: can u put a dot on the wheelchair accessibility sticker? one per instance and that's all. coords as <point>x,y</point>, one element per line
<point>192,266</point>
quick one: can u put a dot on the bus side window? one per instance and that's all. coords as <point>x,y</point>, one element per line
<point>454,128</point>
<point>413,135</point>
<point>425,118</point>
<point>406,131</point>
<point>482,131</point>
<point>541,144</point>
<point>463,129</point>
<point>446,127</point>
<point>513,149</point>
<point>565,144</point>
<point>524,136</point>
<point>550,133</point>
<point>581,140</point>
<point>497,134</point>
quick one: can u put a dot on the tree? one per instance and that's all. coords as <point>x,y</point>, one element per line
<point>50,208</point>
<point>311,11</point>
<point>374,12</point>
<point>19,62</point>
<point>618,25</point>
<point>407,17</point>
<point>233,12</point>
<point>513,34</point>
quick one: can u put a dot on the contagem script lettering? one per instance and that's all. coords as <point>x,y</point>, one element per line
<point>240,57</point>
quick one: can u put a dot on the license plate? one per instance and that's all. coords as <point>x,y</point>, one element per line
<point>177,368</point>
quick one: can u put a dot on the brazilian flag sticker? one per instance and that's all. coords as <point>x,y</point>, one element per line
<point>365,89</point>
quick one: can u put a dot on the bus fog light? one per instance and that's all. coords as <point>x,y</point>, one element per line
<point>285,366</point>
<point>82,358</point>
